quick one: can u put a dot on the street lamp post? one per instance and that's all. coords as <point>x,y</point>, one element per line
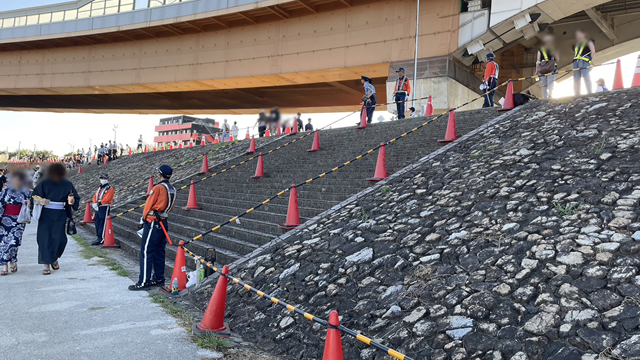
<point>415,58</point>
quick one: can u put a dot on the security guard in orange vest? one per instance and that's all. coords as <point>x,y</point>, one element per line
<point>401,92</point>
<point>102,200</point>
<point>491,72</point>
<point>154,226</point>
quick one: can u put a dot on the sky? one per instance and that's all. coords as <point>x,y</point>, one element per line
<point>6,5</point>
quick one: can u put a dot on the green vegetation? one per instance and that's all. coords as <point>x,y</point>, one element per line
<point>209,340</point>
<point>385,189</point>
<point>601,146</point>
<point>567,210</point>
<point>90,252</point>
<point>362,216</point>
<point>477,153</point>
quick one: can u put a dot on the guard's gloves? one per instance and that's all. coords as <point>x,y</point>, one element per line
<point>94,206</point>
<point>141,224</point>
<point>406,98</point>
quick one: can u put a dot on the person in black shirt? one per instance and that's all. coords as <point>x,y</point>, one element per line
<point>3,179</point>
<point>308,127</point>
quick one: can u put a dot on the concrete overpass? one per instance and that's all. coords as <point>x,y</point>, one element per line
<point>226,56</point>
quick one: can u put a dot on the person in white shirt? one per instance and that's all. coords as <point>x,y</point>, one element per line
<point>601,86</point>
<point>235,130</point>
<point>413,112</point>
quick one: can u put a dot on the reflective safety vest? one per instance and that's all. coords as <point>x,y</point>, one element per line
<point>497,70</point>
<point>580,54</point>
<point>171,192</point>
<point>100,194</point>
<point>545,54</point>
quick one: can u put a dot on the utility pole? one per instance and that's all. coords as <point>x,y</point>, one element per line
<point>115,128</point>
<point>415,59</point>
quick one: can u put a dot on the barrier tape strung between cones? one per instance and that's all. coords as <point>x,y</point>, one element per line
<point>306,315</point>
<point>212,175</point>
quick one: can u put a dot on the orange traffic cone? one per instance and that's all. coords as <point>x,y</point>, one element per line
<point>179,276</point>
<point>617,78</point>
<point>287,130</point>
<point>451,128</point>
<point>333,344</point>
<point>109,241</point>
<point>87,214</point>
<point>203,142</point>
<point>205,165</point>
<point>145,148</point>
<point>316,143</point>
<point>170,146</point>
<point>230,137</point>
<point>363,119</point>
<point>192,203</point>
<point>94,157</point>
<point>252,146</point>
<point>154,149</point>
<point>278,130</point>
<point>247,136</point>
<point>150,185</point>
<point>636,75</point>
<point>213,319</point>
<point>429,111</point>
<point>259,168</point>
<point>191,143</point>
<point>381,166</point>
<point>105,160</point>
<point>180,145</point>
<point>215,139</point>
<point>79,170</point>
<point>294,128</point>
<point>509,104</point>
<point>293,213</point>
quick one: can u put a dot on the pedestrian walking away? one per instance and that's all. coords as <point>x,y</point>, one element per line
<point>262,123</point>
<point>401,92</point>
<point>584,52</point>
<point>547,65</point>
<point>226,129</point>
<point>369,99</point>
<point>12,200</point>
<point>490,83</point>
<point>58,198</point>
<point>154,226</point>
<point>101,204</point>
<point>235,130</point>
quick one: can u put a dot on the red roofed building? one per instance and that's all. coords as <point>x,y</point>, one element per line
<point>183,129</point>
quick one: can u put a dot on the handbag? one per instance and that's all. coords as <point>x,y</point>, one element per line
<point>25,215</point>
<point>547,67</point>
<point>71,227</point>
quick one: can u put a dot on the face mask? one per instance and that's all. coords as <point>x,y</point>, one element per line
<point>104,182</point>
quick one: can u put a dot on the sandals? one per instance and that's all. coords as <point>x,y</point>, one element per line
<point>14,268</point>
<point>55,265</point>
<point>3,273</point>
<point>46,272</point>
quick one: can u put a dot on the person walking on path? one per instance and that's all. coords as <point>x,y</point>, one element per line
<point>401,92</point>
<point>547,65</point>
<point>584,52</point>
<point>59,199</point>
<point>225,131</point>
<point>491,72</point>
<point>235,130</point>
<point>12,199</point>
<point>154,226</point>
<point>101,204</point>
<point>369,99</point>
<point>262,123</point>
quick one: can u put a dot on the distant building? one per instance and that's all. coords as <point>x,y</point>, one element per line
<point>183,128</point>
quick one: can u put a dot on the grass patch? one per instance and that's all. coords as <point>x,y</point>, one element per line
<point>89,252</point>
<point>567,210</point>
<point>385,189</point>
<point>362,216</point>
<point>211,341</point>
<point>601,146</point>
<point>478,153</point>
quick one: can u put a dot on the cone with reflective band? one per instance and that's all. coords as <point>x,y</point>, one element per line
<point>191,143</point>
<point>451,128</point>
<point>109,240</point>
<point>636,75</point>
<point>213,319</point>
<point>333,344</point>
<point>179,271</point>
<point>617,78</point>
<point>247,136</point>
<point>87,214</point>
<point>259,168</point>
<point>363,119</point>
<point>252,146</point>
<point>203,142</point>
<point>192,203</point>
<point>429,111</point>
<point>293,213</point>
<point>150,185</point>
<point>381,166</point>
<point>509,104</point>
<point>205,165</point>
<point>79,170</point>
<point>230,137</point>
<point>316,143</point>
<point>215,139</point>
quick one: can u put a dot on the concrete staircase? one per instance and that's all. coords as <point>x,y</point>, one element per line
<point>233,192</point>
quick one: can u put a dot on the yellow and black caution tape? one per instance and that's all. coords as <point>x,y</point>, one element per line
<point>297,311</point>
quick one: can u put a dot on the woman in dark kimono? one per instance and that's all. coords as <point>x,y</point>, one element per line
<point>60,200</point>
<point>12,199</point>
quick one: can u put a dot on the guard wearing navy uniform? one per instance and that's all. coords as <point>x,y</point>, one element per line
<point>154,224</point>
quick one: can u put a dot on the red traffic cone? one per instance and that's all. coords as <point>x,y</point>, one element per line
<point>259,168</point>
<point>79,170</point>
<point>191,143</point>
<point>429,111</point>
<point>293,213</point>
<point>316,143</point>
<point>154,149</point>
<point>109,241</point>
<point>192,203</point>
<point>333,344</point>
<point>129,154</point>
<point>363,119</point>
<point>150,185</point>
<point>203,142</point>
<point>451,128</point>
<point>617,78</point>
<point>87,214</point>
<point>381,166</point>
<point>636,75</point>
<point>252,146</point>
<point>205,165</point>
<point>105,160</point>
<point>179,275</point>
<point>294,128</point>
<point>287,130</point>
<point>267,133</point>
<point>278,129</point>
<point>230,137</point>
<point>170,146</point>
<point>215,139</point>
<point>247,136</point>
<point>509,104</point>
<point>145,148</point>
<point>213,319</point>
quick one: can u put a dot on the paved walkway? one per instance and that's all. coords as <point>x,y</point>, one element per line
<point>82,311</point>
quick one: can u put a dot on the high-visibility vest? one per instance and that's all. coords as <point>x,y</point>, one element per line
<point>100,193</point>
<point>579,52</point>
<point>545,54</point>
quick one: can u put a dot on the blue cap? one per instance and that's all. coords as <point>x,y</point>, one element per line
<point>490,56</point>
<point>104,176</point>
<point>165,171</point>
<point>401,69</point>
